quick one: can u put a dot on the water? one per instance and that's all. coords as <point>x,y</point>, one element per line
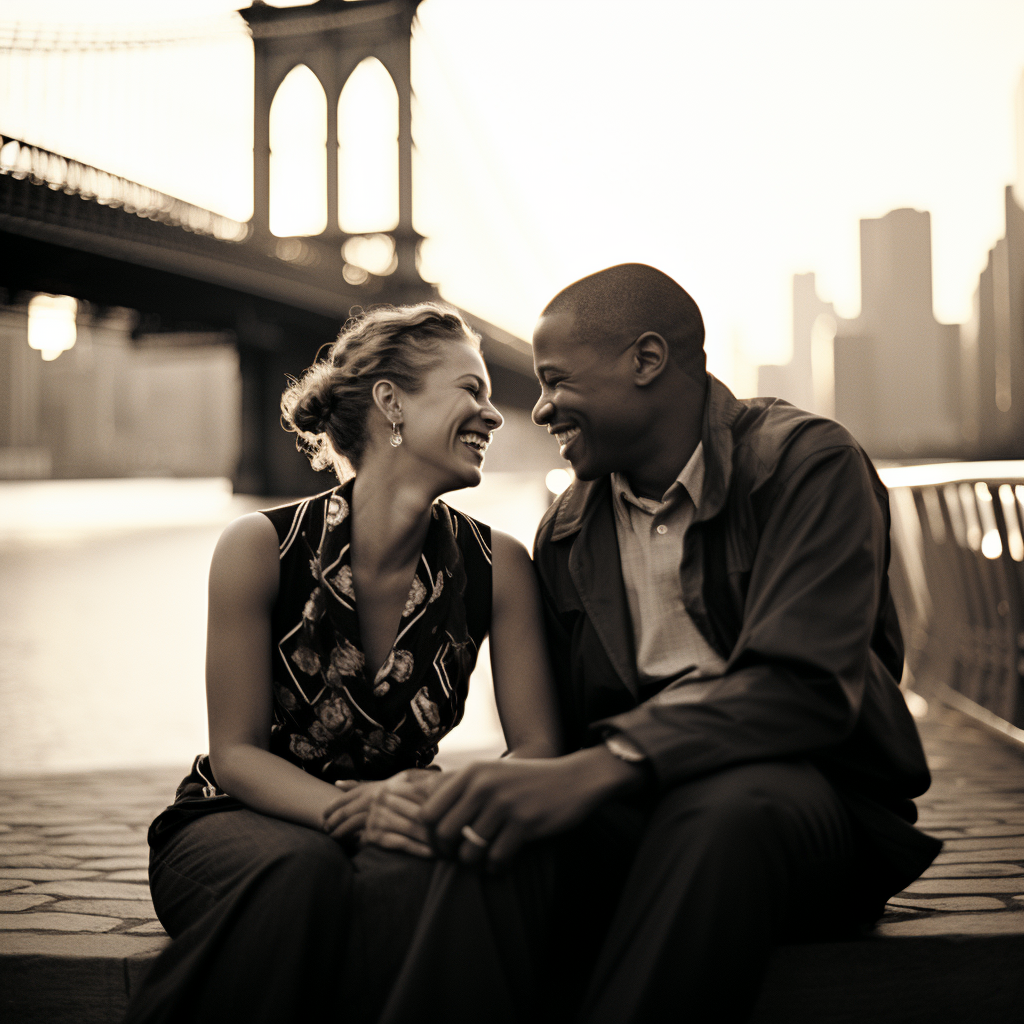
<point>103,617</point>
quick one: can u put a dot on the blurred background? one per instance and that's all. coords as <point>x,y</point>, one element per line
<point>192,199</point>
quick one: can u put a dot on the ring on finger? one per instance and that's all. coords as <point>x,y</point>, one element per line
<point>469,833</point>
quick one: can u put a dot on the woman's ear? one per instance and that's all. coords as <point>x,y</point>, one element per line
<point>385,397</point>
<point>650,357</point>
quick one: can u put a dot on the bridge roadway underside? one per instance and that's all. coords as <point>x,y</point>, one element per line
<point>78,930</point>
<point>280,314</point>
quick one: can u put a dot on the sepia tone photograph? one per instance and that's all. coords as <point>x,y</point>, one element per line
<point>512,513</point>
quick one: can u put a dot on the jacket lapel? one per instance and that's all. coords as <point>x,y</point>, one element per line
<point>596,572</point>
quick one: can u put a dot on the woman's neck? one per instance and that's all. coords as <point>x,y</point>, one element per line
<point>390,518</point>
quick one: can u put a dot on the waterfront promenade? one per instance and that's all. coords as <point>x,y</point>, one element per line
<point>101,631</point>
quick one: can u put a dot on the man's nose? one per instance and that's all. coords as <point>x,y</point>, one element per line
<point>543,411</point>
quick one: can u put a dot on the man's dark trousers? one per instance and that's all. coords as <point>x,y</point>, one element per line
<point>672,905</point>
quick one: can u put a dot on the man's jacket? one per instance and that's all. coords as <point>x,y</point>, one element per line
<point>785,573</point>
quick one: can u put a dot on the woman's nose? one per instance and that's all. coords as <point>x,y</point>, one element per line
<point>491,416</point>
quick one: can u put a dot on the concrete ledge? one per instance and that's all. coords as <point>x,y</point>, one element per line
<point>78,930</point>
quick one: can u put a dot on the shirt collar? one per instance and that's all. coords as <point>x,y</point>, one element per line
<point>690,481</point>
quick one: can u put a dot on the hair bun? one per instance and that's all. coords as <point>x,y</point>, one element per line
<point>314,408</point>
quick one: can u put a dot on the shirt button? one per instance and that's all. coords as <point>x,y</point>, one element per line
<point>663,529</point>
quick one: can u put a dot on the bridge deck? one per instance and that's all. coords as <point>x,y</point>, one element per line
<point>78,930</point>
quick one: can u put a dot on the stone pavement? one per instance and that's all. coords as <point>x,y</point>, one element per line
<point>78,930</point>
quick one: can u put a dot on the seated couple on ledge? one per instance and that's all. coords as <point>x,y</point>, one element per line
<point>697,679</point>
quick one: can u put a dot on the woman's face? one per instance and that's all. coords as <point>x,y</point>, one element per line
<point>447,424</point>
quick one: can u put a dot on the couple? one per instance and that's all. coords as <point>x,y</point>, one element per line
<point>707,754</point>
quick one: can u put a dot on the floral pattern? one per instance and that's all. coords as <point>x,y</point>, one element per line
<point>330,717</point>
<point>417,592</point>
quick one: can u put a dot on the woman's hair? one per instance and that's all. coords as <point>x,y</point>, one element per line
<point>328,407</point>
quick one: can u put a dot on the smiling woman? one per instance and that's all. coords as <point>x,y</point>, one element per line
<point>342,633</point>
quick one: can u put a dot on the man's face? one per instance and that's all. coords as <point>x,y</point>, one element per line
<point>588,399</point>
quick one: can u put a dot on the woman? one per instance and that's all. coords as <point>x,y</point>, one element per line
<point>292,868</point>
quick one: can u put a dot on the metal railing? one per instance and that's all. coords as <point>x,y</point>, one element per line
<point>958,581</point>
<point>22,161</point>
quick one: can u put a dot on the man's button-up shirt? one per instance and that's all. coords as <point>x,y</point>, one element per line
<point>669,647</point>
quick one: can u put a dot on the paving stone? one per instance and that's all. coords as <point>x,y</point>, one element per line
<point>28,846</point>
<point>106,840</point>
<point>149,928</point>
<point>128,850</point>
<point>1006,923</point>
<point>23,901</point>
<point>57,922</point>
<point>110,908</point>
<point>115,863</point>
<point>6,884</point>
<point>978,856</point>
<point>949,903</point>
<point>949,886</point>
<point>79,946</point>
<point>38,860</point>
<point>45,874</point>
<point>102,890</point>
<point>136,875</point>
<point>983,870</point>
<point>26,816</point>
<point>85,828</point>
<point>990,843</point>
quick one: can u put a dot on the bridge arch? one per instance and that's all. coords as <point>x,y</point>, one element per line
<point>298,155</point>
<point>368,153</point>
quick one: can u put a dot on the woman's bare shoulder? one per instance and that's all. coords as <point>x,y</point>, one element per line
<point>247,555</point>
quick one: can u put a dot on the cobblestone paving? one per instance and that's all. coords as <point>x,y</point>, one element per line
<point>73,852</point>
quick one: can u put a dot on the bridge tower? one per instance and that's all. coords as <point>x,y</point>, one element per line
<point>331,38</point>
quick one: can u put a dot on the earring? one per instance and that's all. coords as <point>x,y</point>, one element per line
<point>396,434</point>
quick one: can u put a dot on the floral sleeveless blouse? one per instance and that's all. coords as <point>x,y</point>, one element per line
<point>329,716</point>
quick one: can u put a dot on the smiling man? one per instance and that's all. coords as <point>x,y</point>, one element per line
<point>742,763</point>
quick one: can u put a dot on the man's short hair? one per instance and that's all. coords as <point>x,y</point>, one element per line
<point>623,302</point>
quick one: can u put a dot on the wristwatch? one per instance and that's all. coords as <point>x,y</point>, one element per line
<point>624,749</point>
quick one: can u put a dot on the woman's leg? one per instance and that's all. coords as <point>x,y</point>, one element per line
<point>259,910</point>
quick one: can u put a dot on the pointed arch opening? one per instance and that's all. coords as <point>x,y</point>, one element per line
<point>368,150</point>
<point>298,155</point>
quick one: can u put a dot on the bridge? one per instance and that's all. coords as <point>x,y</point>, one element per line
<point>69,228</point>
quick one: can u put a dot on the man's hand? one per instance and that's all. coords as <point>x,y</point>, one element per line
<point>384,813</point>
<point>510,802</point>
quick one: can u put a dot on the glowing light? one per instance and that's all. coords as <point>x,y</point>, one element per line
<point>298,155</point>
<point>991,543</point>
<point>1014,539</point>
<point>375,253</point>
<point>558,480</point>
<point>368,150</point>
<point>51,324</point>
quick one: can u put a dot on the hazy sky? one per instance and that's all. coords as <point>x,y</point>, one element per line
<point>729,143</point>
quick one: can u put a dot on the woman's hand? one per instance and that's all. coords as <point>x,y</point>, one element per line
<point>384,813</point>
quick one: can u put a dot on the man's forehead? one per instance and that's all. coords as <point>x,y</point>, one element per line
<point>555,338</point>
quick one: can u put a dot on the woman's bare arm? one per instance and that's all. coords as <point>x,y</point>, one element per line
<point>244,578</point>
<point>523,687</point>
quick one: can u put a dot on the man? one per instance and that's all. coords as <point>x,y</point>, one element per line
<point>726,653</point>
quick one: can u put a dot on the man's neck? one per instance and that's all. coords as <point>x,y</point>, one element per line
<point>667,450</point>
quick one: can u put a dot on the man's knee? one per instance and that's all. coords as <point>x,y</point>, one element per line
<point>760,803</point>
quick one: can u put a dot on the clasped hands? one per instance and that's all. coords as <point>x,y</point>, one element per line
<point>504,804</point>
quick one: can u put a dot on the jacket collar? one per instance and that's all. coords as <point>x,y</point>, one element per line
<point>721,410</point>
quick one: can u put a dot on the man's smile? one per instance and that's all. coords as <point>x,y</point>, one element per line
<point>565,436</point>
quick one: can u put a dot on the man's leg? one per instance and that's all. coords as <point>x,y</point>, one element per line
<point>727,866</point>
